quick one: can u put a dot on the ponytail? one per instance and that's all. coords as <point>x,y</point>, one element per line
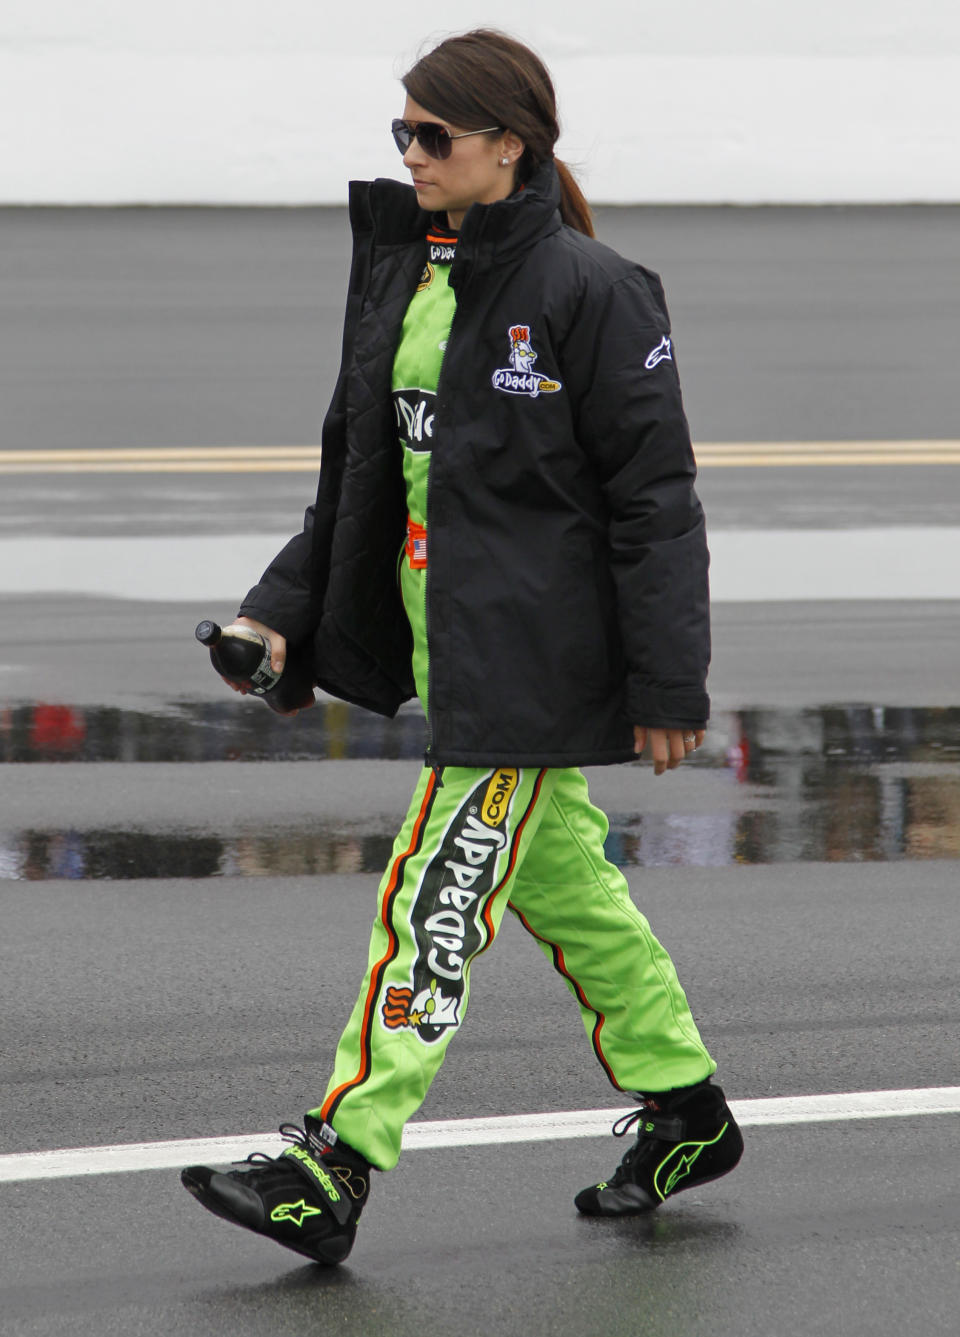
<point>574,209</point>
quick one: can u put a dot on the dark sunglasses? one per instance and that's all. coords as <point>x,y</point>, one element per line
<point>435,140</point>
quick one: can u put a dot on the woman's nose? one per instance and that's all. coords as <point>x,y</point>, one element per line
<point>414,156</point>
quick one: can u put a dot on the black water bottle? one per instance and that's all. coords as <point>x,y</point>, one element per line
<point>243,656</point>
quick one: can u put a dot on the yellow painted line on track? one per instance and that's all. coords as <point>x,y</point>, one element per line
<point>280,466</point>
<point>306,459</point>
<point>819,454</point>
<point>165,459</point>
<point>162,453</point>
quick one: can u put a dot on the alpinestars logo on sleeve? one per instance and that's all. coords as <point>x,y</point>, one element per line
<point>520,378</point>
<point>662,353</point>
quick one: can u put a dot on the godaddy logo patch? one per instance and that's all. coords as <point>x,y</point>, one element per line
<point>414,409</point>
<point>520,378</point>
<point>446,915</point>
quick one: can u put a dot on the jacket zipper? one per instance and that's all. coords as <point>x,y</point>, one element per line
<point>429,757</point>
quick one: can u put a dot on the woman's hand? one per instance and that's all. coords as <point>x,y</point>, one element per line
<point>278,648</point>
<point>278,657</point>
<point>668,747</point>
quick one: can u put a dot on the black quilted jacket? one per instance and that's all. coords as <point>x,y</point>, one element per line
<point>567,582</point>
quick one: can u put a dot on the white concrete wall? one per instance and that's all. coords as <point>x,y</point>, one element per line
<point>282,101</point>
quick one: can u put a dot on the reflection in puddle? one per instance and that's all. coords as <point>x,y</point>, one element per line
<point>907,819</point>
<point>753,742</point>
<point>875,820</point>
<point>206,731</point>
<point>41,855</point>
<point>835,784</point>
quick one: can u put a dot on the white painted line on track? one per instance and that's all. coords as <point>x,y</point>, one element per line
<point>556,1126</point>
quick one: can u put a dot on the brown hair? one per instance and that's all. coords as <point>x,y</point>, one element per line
<point>484,76</point>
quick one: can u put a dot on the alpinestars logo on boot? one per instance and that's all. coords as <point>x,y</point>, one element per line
<point>294,1212</point>
<point>520,378</point>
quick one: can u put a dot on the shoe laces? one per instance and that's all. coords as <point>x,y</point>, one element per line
<point>627,1121</point>
<point>355,1184</point>
<point>290,1132</point>
<point>655,1126</point>
<point>620,1129</point>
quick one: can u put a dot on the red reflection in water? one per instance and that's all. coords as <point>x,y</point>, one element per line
<point>57,728</point>
<point>738,752</point>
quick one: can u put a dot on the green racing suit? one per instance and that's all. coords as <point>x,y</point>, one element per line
<point>477,841</point>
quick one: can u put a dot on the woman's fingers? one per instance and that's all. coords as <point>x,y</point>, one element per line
<point>278,643</point>
<point>659,750</point>
<point>668,747</point>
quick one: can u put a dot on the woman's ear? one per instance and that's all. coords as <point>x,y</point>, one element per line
<point>511,149</point>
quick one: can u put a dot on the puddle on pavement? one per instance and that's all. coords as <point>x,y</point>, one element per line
<point>835,784</point>
<point>205,731</point>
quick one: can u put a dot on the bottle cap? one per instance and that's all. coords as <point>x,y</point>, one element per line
<point>207,633</point>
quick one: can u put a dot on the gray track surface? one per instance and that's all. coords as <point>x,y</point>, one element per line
<point>166,327</point>
<point>163,1008</point>
<point>123,505</point>
<point>174,327</point>
<point>792,654</point>
<point>186,1009</point>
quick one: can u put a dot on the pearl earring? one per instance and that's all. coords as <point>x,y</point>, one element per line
<point>504,162</point>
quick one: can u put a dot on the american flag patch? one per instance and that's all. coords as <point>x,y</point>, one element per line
<point>416,545</point>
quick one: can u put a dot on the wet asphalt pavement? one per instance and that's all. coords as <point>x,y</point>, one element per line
<point>187,881</point>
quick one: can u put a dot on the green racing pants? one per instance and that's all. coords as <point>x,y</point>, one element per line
<point>475,842</point>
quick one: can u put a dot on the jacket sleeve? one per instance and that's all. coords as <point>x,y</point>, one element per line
<point>630,421</point>
<point>284,598</point>
<point>289,596</point>
<point>290,593</point>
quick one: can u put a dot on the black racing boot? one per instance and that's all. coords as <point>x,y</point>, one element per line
<point>309,1198</point>
<point>685,1137</point>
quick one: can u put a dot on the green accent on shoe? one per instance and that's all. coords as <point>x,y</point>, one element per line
<point>319,1174</point>
<point>285,1212</point>
<point>684,1165</point>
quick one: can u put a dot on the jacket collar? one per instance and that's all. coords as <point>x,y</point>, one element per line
<point>491,233</point>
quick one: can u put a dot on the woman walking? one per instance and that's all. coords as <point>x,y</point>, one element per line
<point>506,526</point>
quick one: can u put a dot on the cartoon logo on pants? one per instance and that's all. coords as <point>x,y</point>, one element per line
<point>431,1007</point>
<point>520,378</point>
<point>446,918</point>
